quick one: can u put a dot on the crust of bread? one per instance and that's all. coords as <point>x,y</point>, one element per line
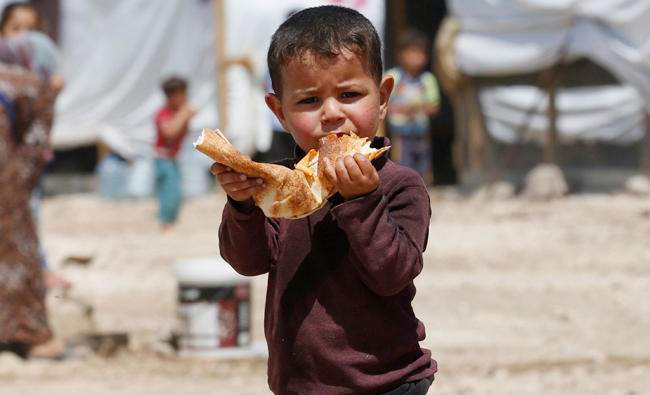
<point>289,193</point>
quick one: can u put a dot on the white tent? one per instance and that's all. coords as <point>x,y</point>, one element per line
<point>505,37</point>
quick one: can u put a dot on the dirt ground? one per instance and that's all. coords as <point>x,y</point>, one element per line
<point>518,297</point>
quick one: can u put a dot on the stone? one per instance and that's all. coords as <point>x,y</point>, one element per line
<point>545,182</point>
<point>638,185</point>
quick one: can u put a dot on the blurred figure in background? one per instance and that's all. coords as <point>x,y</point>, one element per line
<point>414,99</point>
<point>26,110</point>
<point>16,19</point>
<point>171,128</point>
<point>19,17</point>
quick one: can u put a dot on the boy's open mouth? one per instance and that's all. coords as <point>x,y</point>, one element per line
<point>341,132</point>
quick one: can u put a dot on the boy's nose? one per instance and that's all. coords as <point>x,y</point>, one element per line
<point>331,112</point>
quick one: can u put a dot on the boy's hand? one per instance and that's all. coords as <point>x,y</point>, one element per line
<point>353,176</point>
<point>238,186</point>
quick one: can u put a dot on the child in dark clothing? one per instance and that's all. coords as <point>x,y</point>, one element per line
<point>338,316</point>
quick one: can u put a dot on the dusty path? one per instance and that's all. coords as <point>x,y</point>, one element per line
<point>517,297</point>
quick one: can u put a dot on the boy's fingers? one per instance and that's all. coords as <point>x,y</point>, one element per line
<point>329,171</point>
<point>354,172</point>
<point>242,186</point>
<point>229,178</point>
<point>364,164</point>
<point>341,172</point>
<point>217,168</point>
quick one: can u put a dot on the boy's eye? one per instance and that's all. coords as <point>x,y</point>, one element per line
<point>349,95</point>
<point>309,100</point>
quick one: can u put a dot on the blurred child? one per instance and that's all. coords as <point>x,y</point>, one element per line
<point>171,127</point>
<point>415,98</point>
<point>338,317</point>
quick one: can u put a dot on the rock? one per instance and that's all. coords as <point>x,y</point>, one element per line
<point>545,182</point>
<point>638,185</point>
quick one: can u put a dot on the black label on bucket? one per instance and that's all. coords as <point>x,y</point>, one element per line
<point>188,294</point>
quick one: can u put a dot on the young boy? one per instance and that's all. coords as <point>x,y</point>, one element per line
<point>415,99</point>
<point>338,317</point>
<point>171,128</point>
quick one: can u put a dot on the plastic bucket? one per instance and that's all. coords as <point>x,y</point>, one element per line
<point>214,305</point>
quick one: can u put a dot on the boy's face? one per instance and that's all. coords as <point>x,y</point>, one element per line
<point>177,99</point>
<point>322,95</point>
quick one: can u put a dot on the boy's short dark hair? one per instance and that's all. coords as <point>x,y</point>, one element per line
<point>412,38</point>
<point>324,31</point>
<point>174,84</point>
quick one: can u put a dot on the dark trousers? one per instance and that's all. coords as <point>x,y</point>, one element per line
<point>420,387</point>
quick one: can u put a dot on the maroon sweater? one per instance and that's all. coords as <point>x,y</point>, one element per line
<point>338,317</point>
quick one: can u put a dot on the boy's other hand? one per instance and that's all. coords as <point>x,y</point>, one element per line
<point>237,185</point>
<point>353,176</point>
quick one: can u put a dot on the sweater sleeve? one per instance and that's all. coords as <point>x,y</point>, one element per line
<point>248,241</point>
<point>387,235</point>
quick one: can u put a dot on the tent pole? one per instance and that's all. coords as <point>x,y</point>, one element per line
<point>645,145</point>
<point>220,51</point>
<point>398,10</point>
<point>550,150</point>
<point>395,24</point>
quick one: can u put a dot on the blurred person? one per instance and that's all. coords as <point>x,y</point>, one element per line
<point>338,316</point>
<point>171,128</point>
<point>26,110</point>
<point>19,17</point>
<point>16,19</point>
<point>414,99</point>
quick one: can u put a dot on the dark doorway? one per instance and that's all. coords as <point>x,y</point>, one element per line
<point>426,16</point>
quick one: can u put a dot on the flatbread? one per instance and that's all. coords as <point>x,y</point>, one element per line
<point>289,193</point>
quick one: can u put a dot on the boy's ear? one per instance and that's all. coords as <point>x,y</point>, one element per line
<point>274,104</point>
<point>385,89</point>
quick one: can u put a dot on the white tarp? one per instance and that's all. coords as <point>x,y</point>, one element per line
<point>115,56</point>
<point>609,113</point>
<point>501,37</point>
<point>116,53</point>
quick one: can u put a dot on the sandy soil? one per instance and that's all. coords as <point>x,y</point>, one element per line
<point>517,297</point>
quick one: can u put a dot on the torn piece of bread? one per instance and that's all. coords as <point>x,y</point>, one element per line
<point>289,193</point>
